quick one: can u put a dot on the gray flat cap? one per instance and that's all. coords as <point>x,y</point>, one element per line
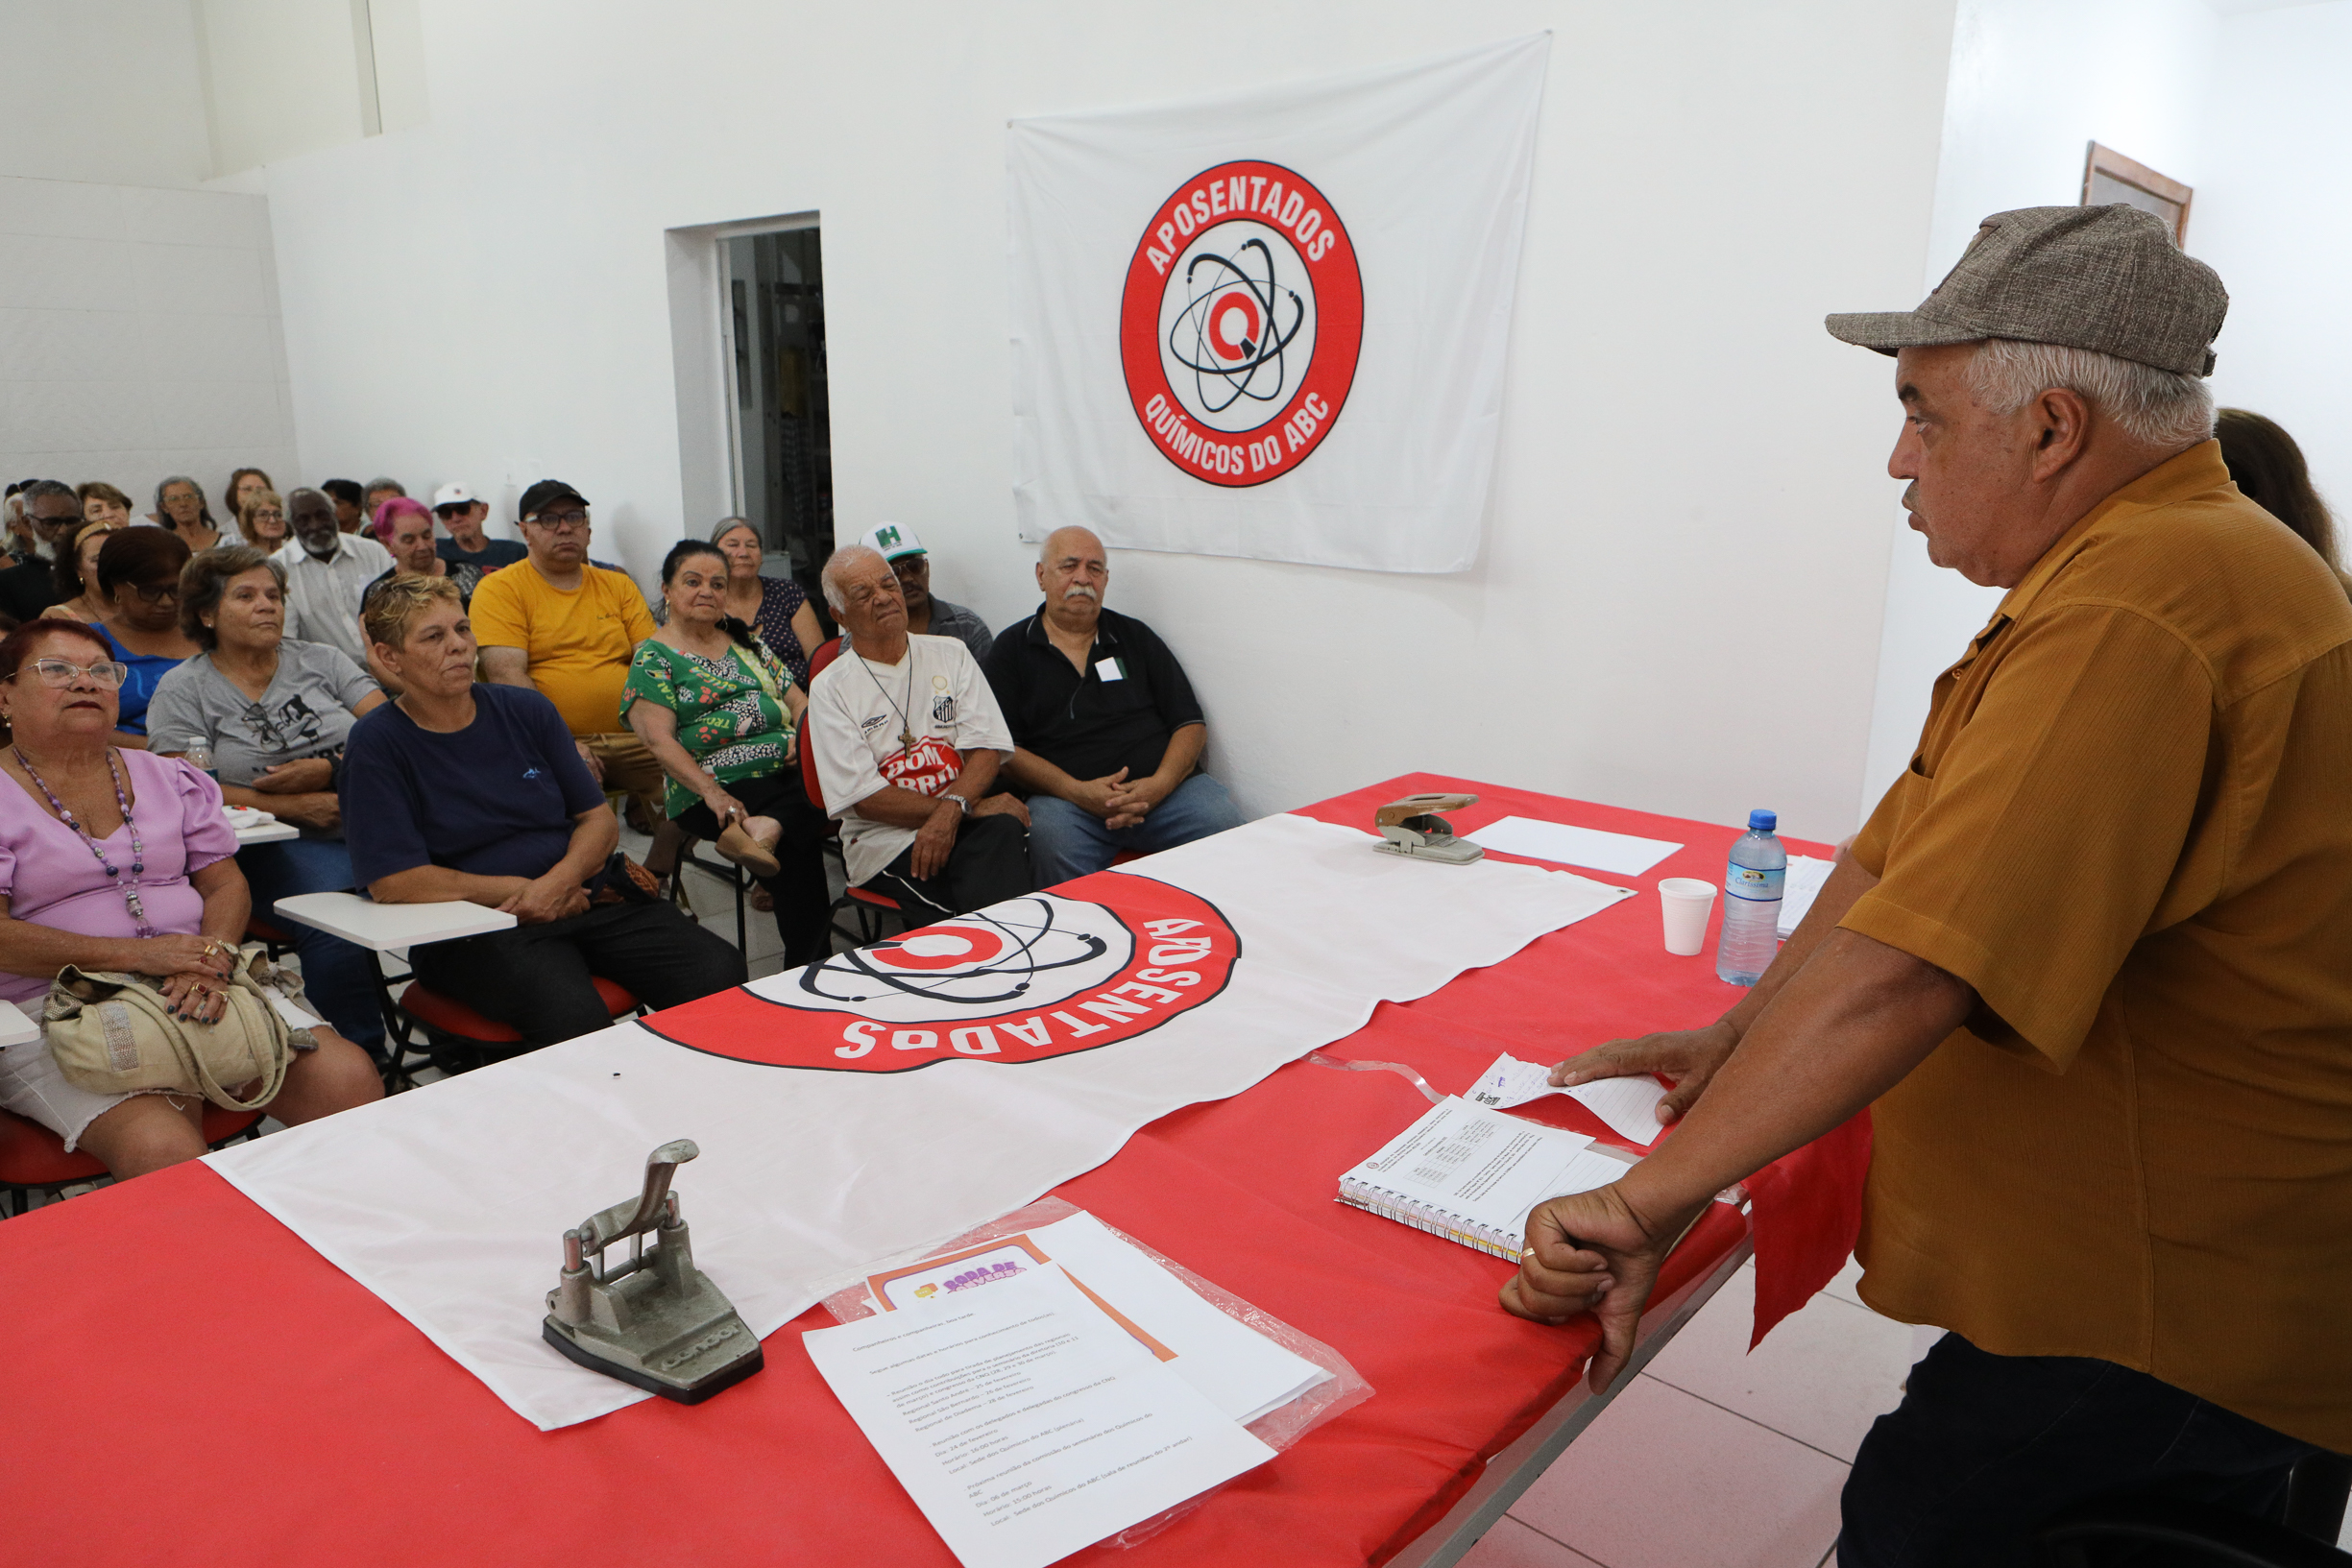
<point>2107,279</point>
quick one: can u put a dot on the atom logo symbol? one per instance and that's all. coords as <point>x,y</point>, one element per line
<point>995,957</point>
<point>1234,332</point>
<point>1239,323</point>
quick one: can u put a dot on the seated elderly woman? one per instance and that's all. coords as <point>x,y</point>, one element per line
<point>116,859</point>
<point>718,708</point>
<point>274,713</point>
<point>454,790</point>
<point>261,521</point>
<point>77,570</point>
<point>138,584</point>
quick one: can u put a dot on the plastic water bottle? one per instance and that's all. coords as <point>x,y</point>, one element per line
<point>199,754</point>
<point>1752,903</point>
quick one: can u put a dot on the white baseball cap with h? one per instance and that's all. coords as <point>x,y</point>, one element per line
<point>891,541</point>
<point>452,496</point>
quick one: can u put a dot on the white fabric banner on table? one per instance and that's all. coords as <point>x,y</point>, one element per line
<point>888,1099</point>
<point>1272,323</point>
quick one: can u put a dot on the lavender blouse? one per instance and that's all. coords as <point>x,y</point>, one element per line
<point>50,877</point>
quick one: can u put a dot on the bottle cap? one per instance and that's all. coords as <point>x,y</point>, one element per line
<point>1762,822</point>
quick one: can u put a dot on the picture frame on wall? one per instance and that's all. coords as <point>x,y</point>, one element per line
<point>2108,178</point>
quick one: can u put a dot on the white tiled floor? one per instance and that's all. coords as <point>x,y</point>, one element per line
<point>1719,1456</point>
<point>1716,1454</point>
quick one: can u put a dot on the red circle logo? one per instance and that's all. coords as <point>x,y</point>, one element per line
<point>941,949</point>
<point>1239,323</point>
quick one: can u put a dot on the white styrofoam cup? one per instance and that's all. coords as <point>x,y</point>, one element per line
<point>1683,902</point>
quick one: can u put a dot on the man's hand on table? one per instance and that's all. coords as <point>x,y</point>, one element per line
<point>1689,1057</point>
<point>1593,1252</point>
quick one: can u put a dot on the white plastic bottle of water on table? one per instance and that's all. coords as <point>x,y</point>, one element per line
<point>1752,903</point>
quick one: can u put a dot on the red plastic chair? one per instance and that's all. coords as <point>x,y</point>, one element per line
<point>33,1159</point>
<point>275,939</point>
<point>445,1016</point>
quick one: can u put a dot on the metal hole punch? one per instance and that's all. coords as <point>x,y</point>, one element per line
<point>655,1320</point>
<point>1412,827</point>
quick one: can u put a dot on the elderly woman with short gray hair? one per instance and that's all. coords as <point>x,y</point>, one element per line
<point>274,712</point>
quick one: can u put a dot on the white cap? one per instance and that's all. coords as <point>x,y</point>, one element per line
<point>891,541</point>
<point>452,496</point>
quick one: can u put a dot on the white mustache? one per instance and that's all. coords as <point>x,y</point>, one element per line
<point>1080,590</point>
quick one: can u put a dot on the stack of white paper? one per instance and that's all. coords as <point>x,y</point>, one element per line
<point>1023,1421</point>
<point>1620,854</point>
<point>1241,1371</point>
<point>1629,1106</point>
<point>1805,875</point>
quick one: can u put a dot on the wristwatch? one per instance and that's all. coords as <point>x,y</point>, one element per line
<point>963,803</point>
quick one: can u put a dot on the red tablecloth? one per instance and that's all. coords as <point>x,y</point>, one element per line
<point>187,1382</point>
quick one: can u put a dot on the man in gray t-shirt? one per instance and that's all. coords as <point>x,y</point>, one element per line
<point>305,710</point>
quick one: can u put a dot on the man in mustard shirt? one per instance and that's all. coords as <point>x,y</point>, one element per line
<point>566,628</point>
<point>2090,961</point>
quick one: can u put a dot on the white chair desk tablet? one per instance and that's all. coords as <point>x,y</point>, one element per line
<point>15,1028</point>
<point>257,826</point>
<point>386,927</point>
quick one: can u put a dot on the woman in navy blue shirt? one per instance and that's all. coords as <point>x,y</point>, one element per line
<point>457,791</point>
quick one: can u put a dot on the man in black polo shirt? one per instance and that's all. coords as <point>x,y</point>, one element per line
<point>1106,732</point>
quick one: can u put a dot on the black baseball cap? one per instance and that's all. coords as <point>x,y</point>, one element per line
<point>536,499</point>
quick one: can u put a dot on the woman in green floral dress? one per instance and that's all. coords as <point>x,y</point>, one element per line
<point>721,714</point>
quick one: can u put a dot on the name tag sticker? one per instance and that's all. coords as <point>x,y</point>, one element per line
<point>1109,669</point>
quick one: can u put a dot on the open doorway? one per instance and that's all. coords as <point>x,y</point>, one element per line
<point>781,414</point>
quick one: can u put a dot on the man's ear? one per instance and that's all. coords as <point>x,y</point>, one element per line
<point>1041,577</point>
<point>2064,430</point>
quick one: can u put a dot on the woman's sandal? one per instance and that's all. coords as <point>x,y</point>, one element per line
<point>745,850</point>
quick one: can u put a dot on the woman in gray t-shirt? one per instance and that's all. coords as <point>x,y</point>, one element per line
<point>275,712</point>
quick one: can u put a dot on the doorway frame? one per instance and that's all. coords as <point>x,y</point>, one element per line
<point>702,355</point>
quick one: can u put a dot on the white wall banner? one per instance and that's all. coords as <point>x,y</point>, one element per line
<point>887,1098</point>
<point>1272,323</point>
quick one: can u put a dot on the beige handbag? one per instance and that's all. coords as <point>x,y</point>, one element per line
<point>114,1034</point>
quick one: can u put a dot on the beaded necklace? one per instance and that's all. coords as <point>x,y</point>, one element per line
<point>131,890</point>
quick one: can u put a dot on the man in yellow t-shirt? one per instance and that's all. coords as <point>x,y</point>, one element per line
<point>566,628</point>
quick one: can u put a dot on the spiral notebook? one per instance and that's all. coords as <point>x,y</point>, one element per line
<point>1471,1175</point>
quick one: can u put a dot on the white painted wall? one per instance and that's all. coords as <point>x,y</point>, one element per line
<point>2033,83</point>
<point>284,77</point>
<point>104,91</point>
<point>139,336</point>
<point>2274,217</point>
<point>1678,603</point>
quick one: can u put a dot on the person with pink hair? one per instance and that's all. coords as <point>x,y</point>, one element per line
<point>404,527</point>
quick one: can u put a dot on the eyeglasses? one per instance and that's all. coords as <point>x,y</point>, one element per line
<point>556,522</point>
<point>268,512</point>
<point>61,672</point>
<point>167,594</point>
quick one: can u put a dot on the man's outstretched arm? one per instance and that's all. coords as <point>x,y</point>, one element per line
<point>1842,1029</point>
